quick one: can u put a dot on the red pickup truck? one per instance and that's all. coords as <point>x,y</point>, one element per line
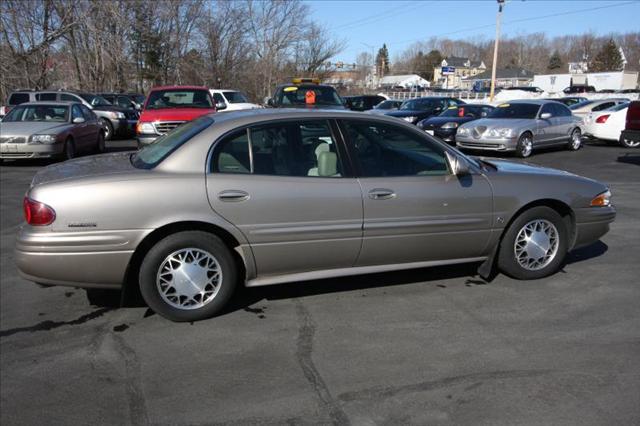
<point>168,107</point>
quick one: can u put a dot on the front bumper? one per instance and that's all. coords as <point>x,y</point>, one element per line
<point>592,223</point>
<point>80,259</point>
<point>11,151</point>
<point>486,144</point>
<point>146,139</point>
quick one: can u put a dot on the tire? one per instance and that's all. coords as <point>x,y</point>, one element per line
<point>69,149</point>
<point>196,296</point>
<point>628,143</point>
<point>524,147</point>
<point>513,257</point>
<point>575,140</point>
<point>108,129</point>
<point>100,146</point>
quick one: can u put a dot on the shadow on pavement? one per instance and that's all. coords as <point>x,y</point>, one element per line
<point>630,159</point>
<point>585,253</point>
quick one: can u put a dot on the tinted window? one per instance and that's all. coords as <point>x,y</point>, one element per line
<point>218,98</point>
<point>95,100</point>
<point>152,154</point>
<point>388,105</point>
<point>235,97</point>
<point>515,111</point>
<point>420,105</point>
<point>71,98</point>
<point>123,102</point>
<point>562,110</point>
<point>46,96</point>
<point>76,112</point>
<point>603,106</point>
<point>18,98</point>
<point>388,150</point>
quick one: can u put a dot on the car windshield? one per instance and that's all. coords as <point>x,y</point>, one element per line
<point>235,97</point>
<point>580,104</point>
<point>299,95</point>
<point>153,154</point>
<point>417,105</point>
<point>52,113</point>
<point>386,105</point>
<point>95,100</point>
<point>179,98</point>
<point>139,99</point>
<point>515,111</point>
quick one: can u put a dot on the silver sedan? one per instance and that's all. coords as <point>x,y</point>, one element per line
<point>274,196</point>
<point>521,127</point>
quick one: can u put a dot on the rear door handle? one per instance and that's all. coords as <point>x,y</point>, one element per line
<point>233,195</point>
<point>381,194</point>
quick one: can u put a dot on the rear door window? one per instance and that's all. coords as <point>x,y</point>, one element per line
<point>46,96</point>
<point>76,112</point>
<point>18,98</point>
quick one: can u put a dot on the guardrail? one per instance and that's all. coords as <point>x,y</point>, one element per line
<point>464,95</point>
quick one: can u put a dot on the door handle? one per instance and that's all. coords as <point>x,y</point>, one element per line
<point>381,194</point>
<point>233,195</point>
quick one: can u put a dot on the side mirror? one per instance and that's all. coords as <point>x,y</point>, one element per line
<point>220,106</point>
<point>545,115</point>
<point>78,120</point>
<point>457,164</point>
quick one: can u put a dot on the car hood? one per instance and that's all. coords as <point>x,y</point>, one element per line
<point>173,114</point>
<point>92,166</point>
<point>27,128</point>
<point>500,122</point>
<point>506,166</point>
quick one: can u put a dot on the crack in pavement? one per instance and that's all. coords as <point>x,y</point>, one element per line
<point>392,391</point>
<point>304,350</point>
<point>50,325</point>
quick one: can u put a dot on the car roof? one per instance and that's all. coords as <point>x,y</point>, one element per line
<point>153,89</point>
<point>54,103</point>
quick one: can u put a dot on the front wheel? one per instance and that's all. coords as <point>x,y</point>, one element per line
<point>188,276</point>
<point>100,146</point>
<point>575,140</point>
<point>524,147</point>
<point>535,244</point>
<point>108,129</point>
<point>69,149</point>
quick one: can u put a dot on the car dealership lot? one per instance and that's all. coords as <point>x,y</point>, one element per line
<point>430,346</point>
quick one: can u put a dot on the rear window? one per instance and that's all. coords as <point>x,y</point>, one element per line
<point>153,154</point>
<point>303,95</point>
<point>18,98</point>
<point>236,97</point>
<point>179,98</point>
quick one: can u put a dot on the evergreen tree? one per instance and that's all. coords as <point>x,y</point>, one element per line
<point>608,58</point>
<point>555,61</point>
<point>382,60</point>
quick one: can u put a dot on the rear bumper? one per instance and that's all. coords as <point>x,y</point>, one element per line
<point>26,150</point>
<point>592,223</point>
<point>78,259</point>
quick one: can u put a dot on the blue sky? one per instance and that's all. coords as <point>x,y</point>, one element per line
<point>399,23</point>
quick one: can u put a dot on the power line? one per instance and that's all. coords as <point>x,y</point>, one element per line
<point>572,12</point>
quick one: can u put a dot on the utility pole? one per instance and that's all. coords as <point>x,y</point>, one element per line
<point>495,50</point>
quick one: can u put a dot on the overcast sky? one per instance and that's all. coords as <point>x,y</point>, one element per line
<point>400,23</point>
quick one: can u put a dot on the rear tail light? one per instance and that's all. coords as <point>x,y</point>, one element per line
<point>36,213</point>
<point>602,118</point>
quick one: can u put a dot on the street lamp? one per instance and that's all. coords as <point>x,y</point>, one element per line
<point>495,50</point>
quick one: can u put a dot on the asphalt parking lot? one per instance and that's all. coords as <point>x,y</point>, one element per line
<point>430,346</point>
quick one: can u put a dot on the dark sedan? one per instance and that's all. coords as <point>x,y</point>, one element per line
<point>418,109</point>
<point>446,124</point>
<point>363,102</point>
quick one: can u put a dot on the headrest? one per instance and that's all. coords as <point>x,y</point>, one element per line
<point>327,163</point>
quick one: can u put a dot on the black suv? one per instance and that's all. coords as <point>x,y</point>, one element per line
<point>125,100</point>
<point>363,102</point>
<point>418,109</point>
<point>115,120</point>
<point>306,93</point>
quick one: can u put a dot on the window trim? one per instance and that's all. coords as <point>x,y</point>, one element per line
<point>356,163</point>
<point>343,156</point>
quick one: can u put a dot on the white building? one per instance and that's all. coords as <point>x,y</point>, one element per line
<point>617,80</point>
<point>406,81</point>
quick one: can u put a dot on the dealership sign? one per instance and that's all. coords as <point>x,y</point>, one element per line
<point>448,70</point>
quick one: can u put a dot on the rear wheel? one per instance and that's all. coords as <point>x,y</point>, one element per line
<point>524,147</point>
<point>629,143</point>
<point>69,149</point>
<point>100,146</point>
<point>575,140</point>
<point>535,244</point>
<point>188,276</point>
